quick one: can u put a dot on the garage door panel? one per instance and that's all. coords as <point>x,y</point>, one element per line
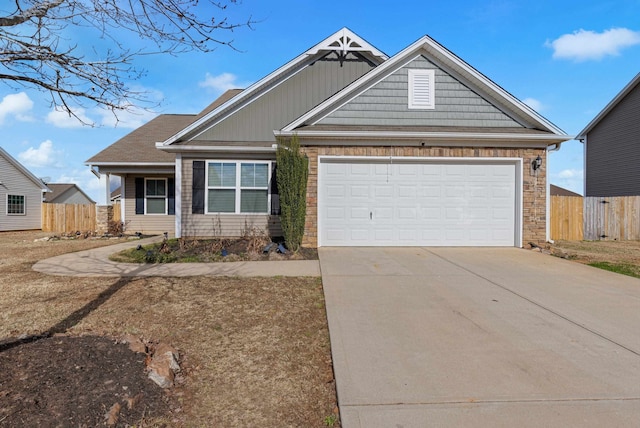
<point>413,203</point>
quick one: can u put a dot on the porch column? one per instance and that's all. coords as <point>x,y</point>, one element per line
<point>104,197</point>
<point>178,196</point>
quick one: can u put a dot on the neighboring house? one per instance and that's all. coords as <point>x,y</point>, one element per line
<point>561,191</point>
<point>612,146</point>
<point>116,195</point>
<point>414,149</point>
<point>20,196</point>
<point>67,193</point>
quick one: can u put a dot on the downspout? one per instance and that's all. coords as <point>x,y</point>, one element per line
<point>555,148</point>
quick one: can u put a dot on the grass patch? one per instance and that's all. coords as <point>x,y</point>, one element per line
<point>621,268</point>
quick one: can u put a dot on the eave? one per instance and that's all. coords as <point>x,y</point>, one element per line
<point>433,138</point>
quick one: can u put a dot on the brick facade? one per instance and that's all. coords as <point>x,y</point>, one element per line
<point>534,210</point>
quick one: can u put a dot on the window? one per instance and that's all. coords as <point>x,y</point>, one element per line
<point>238,187</point>
<point>16,205</point>
<point>155,196</point>
<point>422,89</point>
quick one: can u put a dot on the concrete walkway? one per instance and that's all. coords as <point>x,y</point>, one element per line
<point>96,262</point>
<point>480,337</point>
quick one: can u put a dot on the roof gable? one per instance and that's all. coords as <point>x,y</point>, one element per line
<point>341,44</point>
<point>60,190</point>
<point>446,61</point>
<point>635,83</point>
<point>387,102</point>
<point>39,183</point>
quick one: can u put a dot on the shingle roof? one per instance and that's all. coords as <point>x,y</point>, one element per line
<point>140,144</point>
<point>58,189</point>
<point>561,191</point>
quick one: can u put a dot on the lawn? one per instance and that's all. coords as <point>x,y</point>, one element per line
<point>254,352</point>
<point>617,256</point>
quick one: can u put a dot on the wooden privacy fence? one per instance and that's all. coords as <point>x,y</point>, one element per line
<point>615,218</point>
<point>117,214</point>
<point>567,218</point>
<point>68,218</point>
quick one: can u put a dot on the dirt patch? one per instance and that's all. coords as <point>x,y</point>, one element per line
<point>254,351</point>
<point>213,250</point>
<point>625,252</point>
<point>75,381</point>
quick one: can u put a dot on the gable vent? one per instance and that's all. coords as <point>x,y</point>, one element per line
<point>422,89</point>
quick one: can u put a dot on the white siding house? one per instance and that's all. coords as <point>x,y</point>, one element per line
<point>20,196</point>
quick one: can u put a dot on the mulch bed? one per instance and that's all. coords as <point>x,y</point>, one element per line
<point>75,381</point>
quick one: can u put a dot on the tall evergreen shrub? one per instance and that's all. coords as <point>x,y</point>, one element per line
<point>292,171</point>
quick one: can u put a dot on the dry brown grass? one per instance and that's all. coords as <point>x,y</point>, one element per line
<point>256,351</point>
<point>627,252</point>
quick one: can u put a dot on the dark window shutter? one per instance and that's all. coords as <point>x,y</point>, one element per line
<point>139,195</point>
<point>275,195</point>
<point>198,188</point>
<point>171,194</point>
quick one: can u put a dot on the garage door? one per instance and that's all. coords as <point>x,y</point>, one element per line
<point>417,203</point>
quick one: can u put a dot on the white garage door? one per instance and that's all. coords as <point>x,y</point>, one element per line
<point>417,203</point>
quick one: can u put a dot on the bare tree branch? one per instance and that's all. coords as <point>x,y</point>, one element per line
<point>39,45</point>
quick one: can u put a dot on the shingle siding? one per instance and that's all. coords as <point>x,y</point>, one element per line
<point>613,151</point>
<point>386,103</point>
<point>287,101</point>
<point>14,182</point>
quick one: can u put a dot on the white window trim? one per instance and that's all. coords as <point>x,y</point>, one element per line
<point>238,187</point>
<point>166,196</point>
<point>430,103</point>
<point>24,204</point>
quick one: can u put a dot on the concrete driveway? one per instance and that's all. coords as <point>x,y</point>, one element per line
<point>480,337</point>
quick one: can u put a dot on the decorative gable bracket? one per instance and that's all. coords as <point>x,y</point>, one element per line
<point>345,41</point>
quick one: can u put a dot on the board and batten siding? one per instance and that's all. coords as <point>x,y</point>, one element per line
<point>386,103</point>
<point>613,151</point>
<point>287,101</point>
<point>221,225</point>
<point>14,182</point>
<point>147,224</point>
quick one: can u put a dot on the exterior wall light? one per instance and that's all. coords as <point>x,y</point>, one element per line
<point>536,163</point>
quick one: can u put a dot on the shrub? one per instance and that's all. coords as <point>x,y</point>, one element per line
<point>292,172</point>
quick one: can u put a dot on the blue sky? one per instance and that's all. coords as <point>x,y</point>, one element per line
<point>565,59</point>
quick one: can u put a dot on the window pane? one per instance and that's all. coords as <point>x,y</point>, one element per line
<point>262,175</point>
<point>156,188</point>
<point>151,187</point>
<point>15,204</point>
<point>254,175</point>
<point>222,201</point>
<point>253,201</point>
<point>161,188</point>
<point>222,175</point>
<point>156,206</point>
<point>247,172</point>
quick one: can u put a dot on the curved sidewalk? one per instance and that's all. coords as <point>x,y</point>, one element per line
<point>95,262</point>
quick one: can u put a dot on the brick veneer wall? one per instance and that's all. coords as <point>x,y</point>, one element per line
<point>534,208</point>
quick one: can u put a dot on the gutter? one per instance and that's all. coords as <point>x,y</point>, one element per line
<point>221,149</point>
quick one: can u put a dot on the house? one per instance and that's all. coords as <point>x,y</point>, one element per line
<point>612,146</point>
<point>66,193</point>
<point>561,191</point>
<point>20,196</point>
<point>415,149</point>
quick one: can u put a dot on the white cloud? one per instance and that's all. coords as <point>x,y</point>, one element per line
<point>534,104</point>
<point>62,119</point>
<point>222,82</point>
<point>571,179</point>
<point>16,105</point>
<point>84,179</point>
<point>583,45</point>
<point>44,156</point>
